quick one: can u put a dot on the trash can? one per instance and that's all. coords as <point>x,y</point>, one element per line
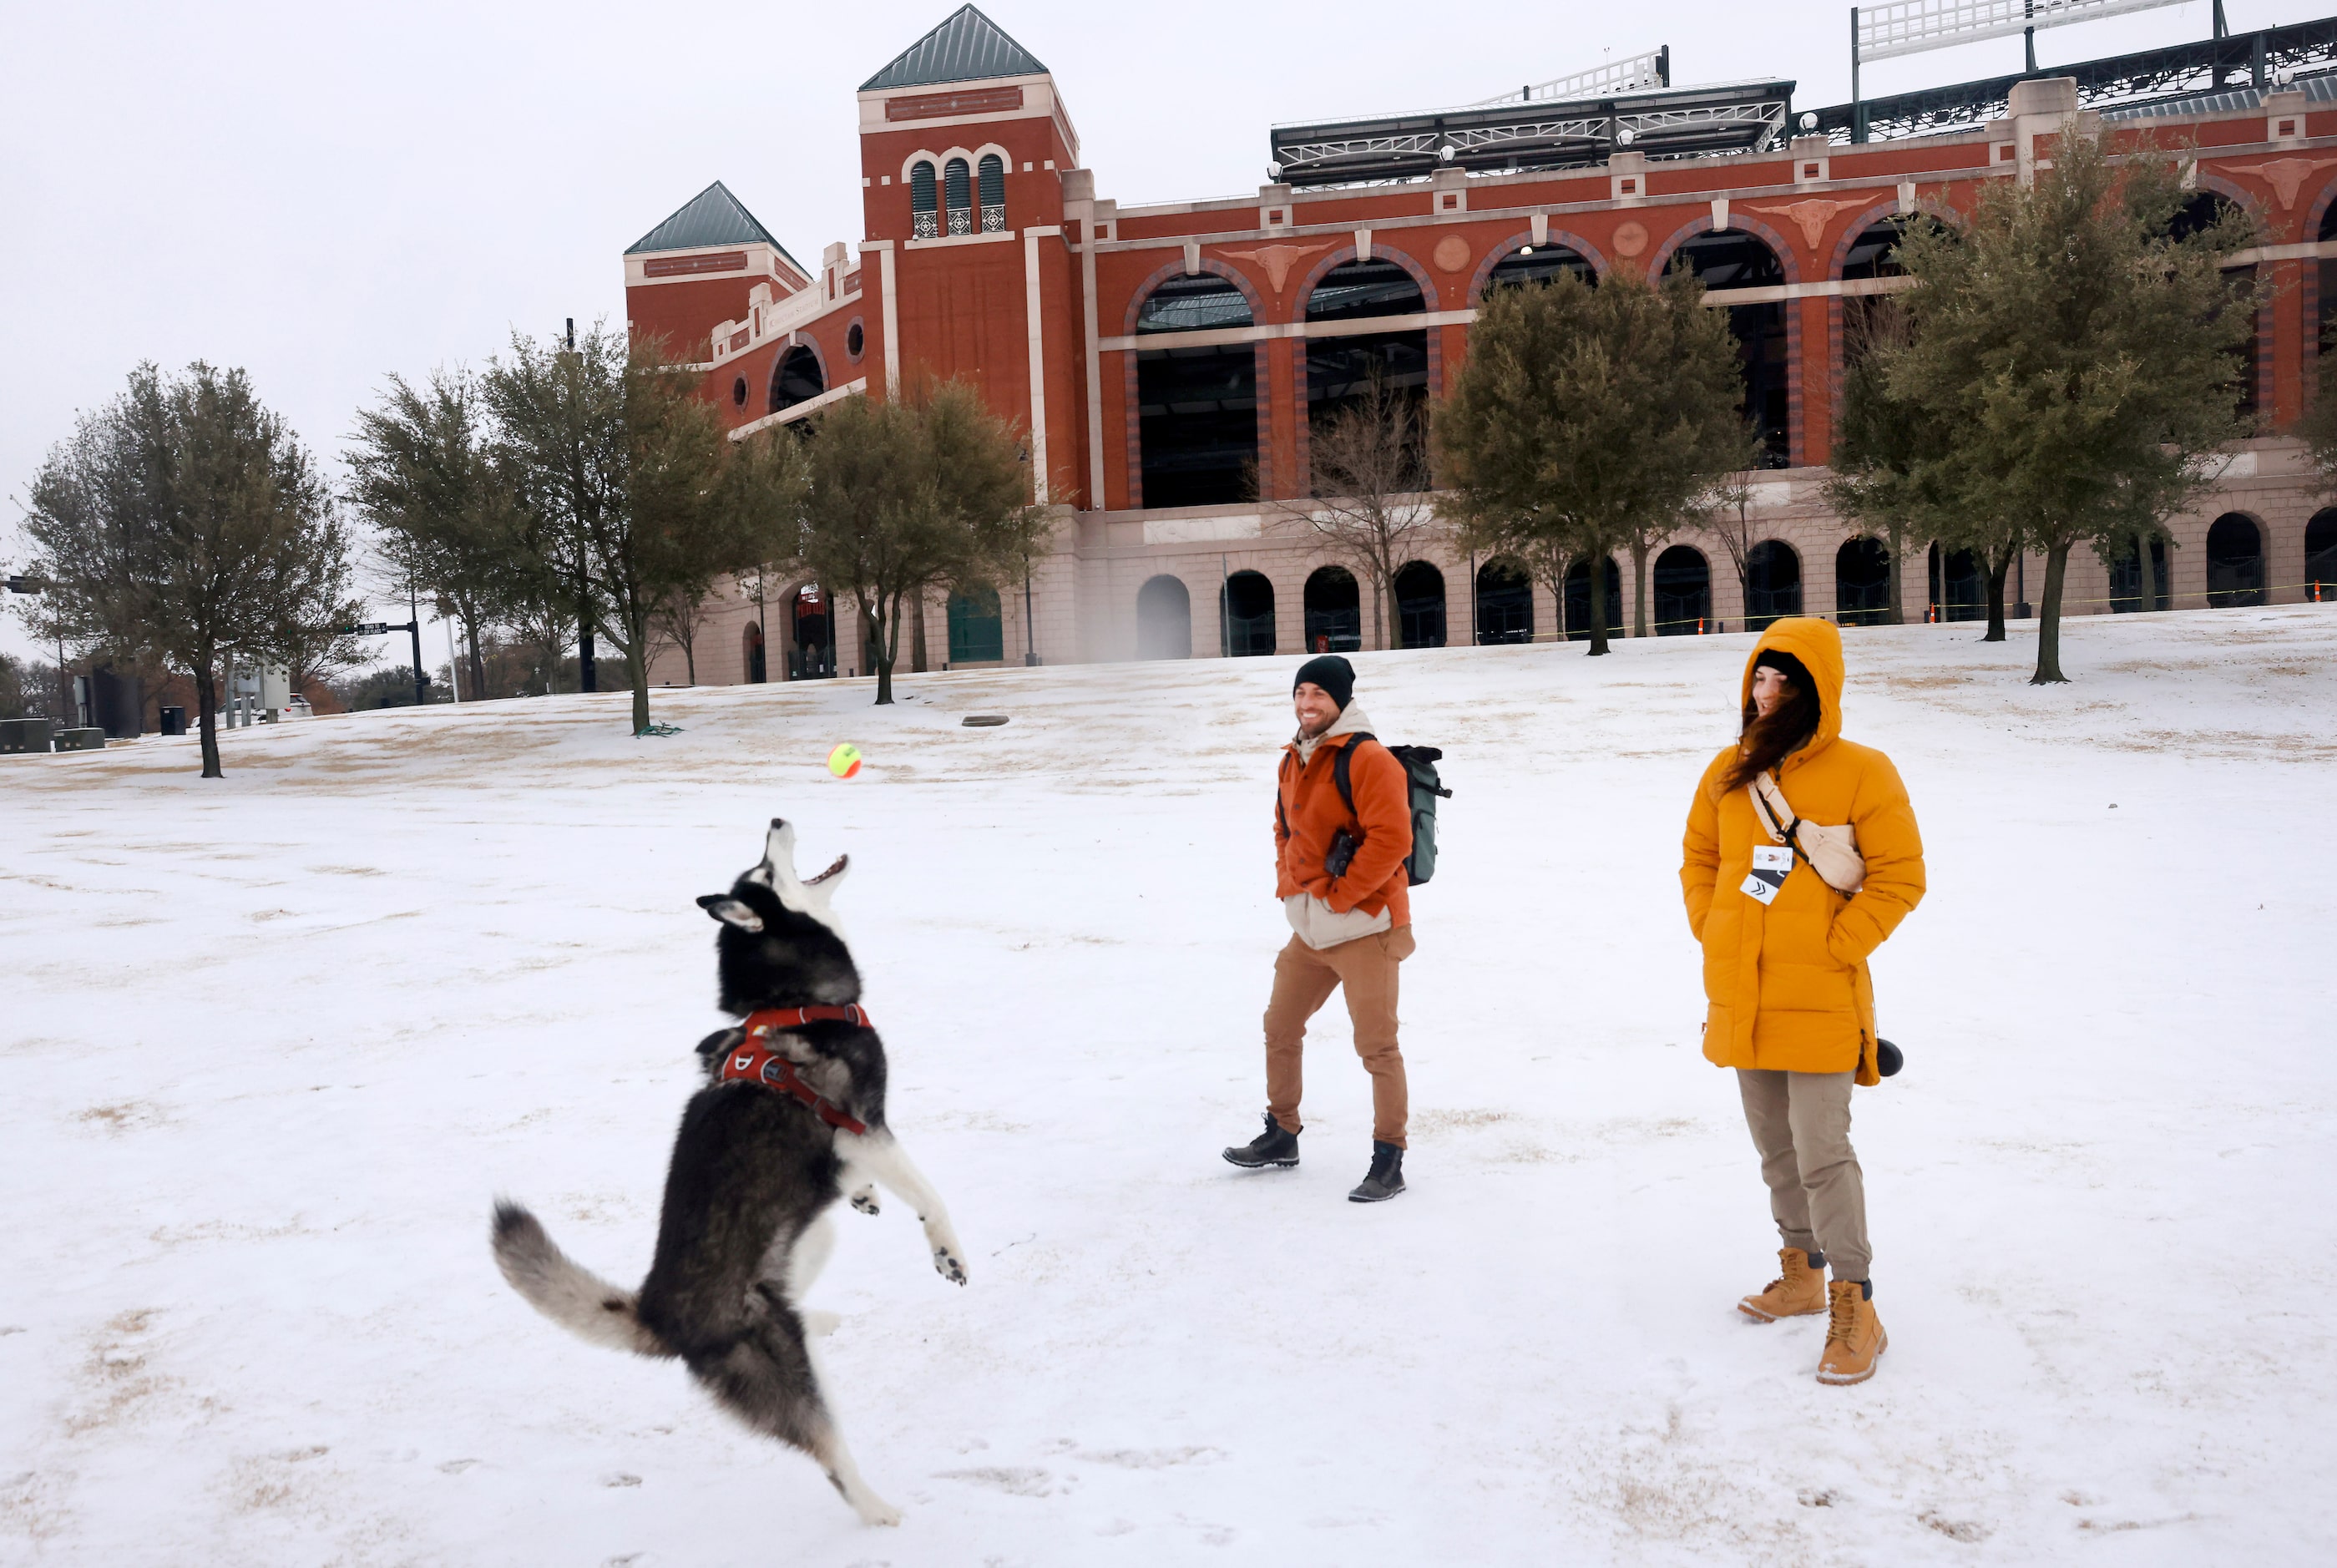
<point>173,720</point>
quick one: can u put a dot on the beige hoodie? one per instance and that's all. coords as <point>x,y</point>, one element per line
<point>1311,918</point>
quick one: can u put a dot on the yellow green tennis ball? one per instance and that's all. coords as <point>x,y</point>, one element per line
<point>844,761</point>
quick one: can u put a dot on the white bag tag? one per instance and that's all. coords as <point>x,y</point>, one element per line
<point>1772,863</point>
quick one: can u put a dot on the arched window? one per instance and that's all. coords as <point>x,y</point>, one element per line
<point>1772,583</point>
<point>1728,259</point>
<point>1197,407</point>
<point>1504,603</point>
<point>795,378</point>
<point>957,195</point>
<point>924,200</point>
<point>1540,264</point>
<point>1245,613</point>
<point>992,181</point>
<point>750,652</point>
<point>813,657</point>
<point>1164,618</point>
<point>977,633</point>
<point>2322,328</point>
<point>1959,585</point>
<point>2320,557</point>
<point>1340,369</point>
<point>1334,611</point>
<point>2207,210</point>
<point>1861,583</point>
<point>2126,579</point>
<point>1578,601</point>
<point>1875,252</point>
<point>2236,565</point>
<point>1420,606</point>
<point>1682,585</point>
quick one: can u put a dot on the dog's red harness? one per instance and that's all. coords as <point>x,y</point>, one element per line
<point>756,1063</point>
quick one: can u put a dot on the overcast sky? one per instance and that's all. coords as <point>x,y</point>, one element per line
<point>326,194</point>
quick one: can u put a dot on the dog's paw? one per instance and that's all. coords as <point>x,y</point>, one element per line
<point>865,1200</point>
<point>876,1511</point>
<point>948,1263</point>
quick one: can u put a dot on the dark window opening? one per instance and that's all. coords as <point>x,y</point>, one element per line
<point>992,182</point>
<point>1504,603</point>
<point>924,200</point>
<point>1246,614</point>
<point>795,378</point>
<point>1875,252</point>
<point>2236,565</point>
<point>1365,288</point>
<point>977,632</point>
<point>1420,606</point>
<point>1334,611</point>
<point>856,340</point>
<point>1197,407</point>
<point>1681,587</point>
<point>1203,302</point>
<point>1732,258</point>
<point>1772,583</point>
<point>1540,264</point>
<point>1164,620</point>
<point>1578,601</point>
<point>2320,557</point>
<point>813,657</point>
<point>738,391</point>
<point>1861,583</point>
<point>2126,579</point>
<point>751,646</point>
<point>1959,585</point>
<point>957,195</point>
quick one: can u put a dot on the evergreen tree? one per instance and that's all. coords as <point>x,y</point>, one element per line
<point>1591,419</point>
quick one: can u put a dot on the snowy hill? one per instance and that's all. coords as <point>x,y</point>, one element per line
<point>269,1046</point>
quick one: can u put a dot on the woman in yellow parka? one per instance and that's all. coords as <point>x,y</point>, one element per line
<point>1792,1007</point>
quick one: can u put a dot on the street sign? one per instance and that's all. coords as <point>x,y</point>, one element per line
<point>19,584</point>
<point>374,629</point>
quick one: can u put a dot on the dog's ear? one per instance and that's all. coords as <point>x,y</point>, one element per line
<point>731,912</point>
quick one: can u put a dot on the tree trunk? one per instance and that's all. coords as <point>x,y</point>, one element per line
<point>1638,588</point>
<point>1597,607</point>
<point>478,660</point>
<point>1895,535</point>
<point>1997,570</point>
<point>637,665</point>
<point>872,637</point>
<point>2049,620</point>
<point>2146,581</point>
<point>918,660</point>
<point>207,718</point>
<point>690,657</point>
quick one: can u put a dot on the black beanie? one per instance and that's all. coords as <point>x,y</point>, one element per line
<point>1785,664</point>
<point>1331,673</point>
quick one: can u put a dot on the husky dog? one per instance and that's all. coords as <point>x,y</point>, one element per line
<point>754,1172</point>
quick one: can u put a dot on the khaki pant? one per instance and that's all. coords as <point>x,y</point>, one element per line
<point>1801,1125</point>
<point>1303,979</point>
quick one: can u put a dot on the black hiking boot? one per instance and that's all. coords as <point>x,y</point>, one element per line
<point>1386,1177</point>
<point>1272,1147</point>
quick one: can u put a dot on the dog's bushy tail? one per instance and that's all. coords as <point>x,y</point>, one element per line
<point>563,1290</point>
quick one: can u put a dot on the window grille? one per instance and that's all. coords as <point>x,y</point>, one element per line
<point>993,189</point>
<point>923,200</point>
<point>957,195</point>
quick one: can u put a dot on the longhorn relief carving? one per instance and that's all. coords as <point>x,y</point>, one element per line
<point>2286,176</point>
<point>1278,259</point>
<point>1812,216</point>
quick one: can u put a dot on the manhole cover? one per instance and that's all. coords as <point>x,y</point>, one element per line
<point>984,720</point>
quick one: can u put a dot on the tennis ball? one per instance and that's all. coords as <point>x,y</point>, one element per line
<point>844,761</point>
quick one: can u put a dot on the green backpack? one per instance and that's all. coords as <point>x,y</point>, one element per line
<point>1420,770</point>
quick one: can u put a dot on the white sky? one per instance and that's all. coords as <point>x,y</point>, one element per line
<point>325,195</point>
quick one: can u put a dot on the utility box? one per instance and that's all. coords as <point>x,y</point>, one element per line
<point>92,738</point>
<point>275,688</point>
<point>22,735</point>
<point>115,703</point>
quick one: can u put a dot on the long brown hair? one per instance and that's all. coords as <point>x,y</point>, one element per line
<point>1764,743</point>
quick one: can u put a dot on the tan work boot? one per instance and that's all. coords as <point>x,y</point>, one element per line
<point>1796,1293</point>
<point>1854,1335</point>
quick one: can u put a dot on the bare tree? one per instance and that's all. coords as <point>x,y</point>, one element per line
<point>1371,508</point>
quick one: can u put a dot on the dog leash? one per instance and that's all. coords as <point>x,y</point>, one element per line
<point>756,1063</point>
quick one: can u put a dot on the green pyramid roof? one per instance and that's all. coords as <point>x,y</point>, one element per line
<point>967,47</point>
<point>712,217</point>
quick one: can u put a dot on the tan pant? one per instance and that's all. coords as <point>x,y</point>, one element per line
<point>1303,979</point>
<point>1801,1125</point>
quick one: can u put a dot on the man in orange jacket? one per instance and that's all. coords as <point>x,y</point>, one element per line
<point>1340,876</point>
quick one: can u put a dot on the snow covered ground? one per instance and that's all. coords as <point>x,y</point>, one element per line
<point>271,1045</point>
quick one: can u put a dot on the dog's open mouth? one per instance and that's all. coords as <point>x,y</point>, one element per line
<point>831,870</point>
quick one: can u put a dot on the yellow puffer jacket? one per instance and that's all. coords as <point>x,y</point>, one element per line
<point>1787,981</point>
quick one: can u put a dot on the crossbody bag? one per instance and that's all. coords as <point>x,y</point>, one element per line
<point>1831,852</point>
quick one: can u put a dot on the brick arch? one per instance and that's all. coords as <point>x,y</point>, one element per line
<point>1796,440</point>
<point>1430,296</point>
<point>1176,269</point>
<point>2248,199</point>
<point>786,346</point>
<point>1779,244</point>
<point>1509,247</point>
<point>2310,294</point>
<point>1132,417</point>
<point>2253,205</point>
